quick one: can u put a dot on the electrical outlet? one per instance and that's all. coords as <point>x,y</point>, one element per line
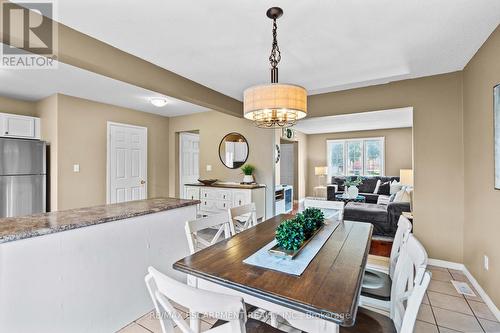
<point>486,263</point>
<point>76,167</point>
<point>209,167</point>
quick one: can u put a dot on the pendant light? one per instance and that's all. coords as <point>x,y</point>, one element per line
<point>275,105</point>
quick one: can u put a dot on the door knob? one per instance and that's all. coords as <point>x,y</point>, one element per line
<point>143,182</point>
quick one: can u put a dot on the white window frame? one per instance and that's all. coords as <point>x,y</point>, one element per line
<point>346,142</point>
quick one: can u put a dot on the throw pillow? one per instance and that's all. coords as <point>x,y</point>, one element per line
<point>395,187</point>
<point>383,200</point>
<point>339,181</point>
<point>403,195</point>
<point>377,187</point>
<point>385,188</point>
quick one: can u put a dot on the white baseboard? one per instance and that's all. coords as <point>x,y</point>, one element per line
<point>461,267</point>
<point>487,300</point>
<point>446,264</point>
<point>301,203</point>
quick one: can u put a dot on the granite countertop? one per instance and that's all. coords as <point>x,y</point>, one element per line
<point>230,185</point>
<point>17,228</point>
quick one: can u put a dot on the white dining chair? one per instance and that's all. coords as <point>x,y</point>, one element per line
<point>327,206</point>
<point>379,296</point>
<point>230,309</point>
<point>206,231</point>
<point>242,217</point>
<point>405,305</point>
<point>377,280</point>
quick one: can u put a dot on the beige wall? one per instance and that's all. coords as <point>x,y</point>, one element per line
<point>398,150</point>
<point>47,110</point>
<point>15,106</point>
<point>82,128</point>
<point>212,127</point>
<point>438,150</point>
<point>76,130</point>
<point>482,209</point>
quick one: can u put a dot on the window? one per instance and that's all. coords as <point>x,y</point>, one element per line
<point>356,157</point>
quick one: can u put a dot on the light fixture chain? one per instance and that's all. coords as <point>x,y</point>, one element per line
<point>275,56</point>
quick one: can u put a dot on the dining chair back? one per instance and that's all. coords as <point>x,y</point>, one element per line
<point>369,321</point>
<point>402,234</point>
<point>242,217</point>
<point>377,281</point>
<point>409,272</point>
<point>413,304</point>
<point>326,206</point>
<point>163,290</point>
<point>217,222</point>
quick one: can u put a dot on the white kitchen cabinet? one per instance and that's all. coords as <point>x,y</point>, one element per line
<point>16,126</point>
<point>216,199</point>
<point>191,193</point>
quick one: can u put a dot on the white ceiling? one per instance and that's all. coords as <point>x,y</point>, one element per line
<point>35,84</point>
<point>364,121</point>
<point>326,45</point>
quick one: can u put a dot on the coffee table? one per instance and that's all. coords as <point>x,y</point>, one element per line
<point>359,198</point>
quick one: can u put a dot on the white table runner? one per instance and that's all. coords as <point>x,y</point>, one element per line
<point>297,265</point>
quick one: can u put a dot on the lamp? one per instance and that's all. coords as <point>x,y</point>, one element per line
<point>319,171</point>
<point>275,105</point>
<point>406,177</point>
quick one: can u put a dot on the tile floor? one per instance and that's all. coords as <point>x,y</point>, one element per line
<point>443,310</point>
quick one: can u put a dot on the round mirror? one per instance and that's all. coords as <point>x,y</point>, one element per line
<point>233,150</point>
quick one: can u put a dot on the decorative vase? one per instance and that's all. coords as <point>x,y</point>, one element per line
<point>248,179</point>
<point>352,192</point>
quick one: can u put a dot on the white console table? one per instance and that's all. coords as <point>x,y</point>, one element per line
<point>220,197</point>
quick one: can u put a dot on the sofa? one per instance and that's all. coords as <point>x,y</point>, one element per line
<point>366,189</point>
<point>383,217</point>
<point>382,214</point>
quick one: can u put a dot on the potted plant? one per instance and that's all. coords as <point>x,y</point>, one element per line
<point>248,170</point>
<point>290,235</point>
<point>351,187</point>
<point>293,233</point>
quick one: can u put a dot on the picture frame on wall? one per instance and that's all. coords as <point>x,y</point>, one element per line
<point>496,113</point>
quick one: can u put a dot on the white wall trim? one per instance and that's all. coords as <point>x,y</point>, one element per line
<point>446,264</point>
<point>461,267</point>
<point>489,302</point>
<point>301,203</point>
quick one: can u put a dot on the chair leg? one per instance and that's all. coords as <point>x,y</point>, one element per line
<point>274,320</point>
<point>194,321</point>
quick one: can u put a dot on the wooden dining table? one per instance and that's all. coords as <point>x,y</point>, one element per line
<point>322,298</point>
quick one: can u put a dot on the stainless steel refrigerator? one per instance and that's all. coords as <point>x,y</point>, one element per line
<point>22,177</point>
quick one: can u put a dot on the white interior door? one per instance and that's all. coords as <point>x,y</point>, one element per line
<point>189,159</point>
<point>127,163</point>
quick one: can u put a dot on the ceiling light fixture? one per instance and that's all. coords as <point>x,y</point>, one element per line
<point>275,105</point>
<point>159,101</point>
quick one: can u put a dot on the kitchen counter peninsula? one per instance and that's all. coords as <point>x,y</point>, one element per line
<point>82,270</point>
<point>17,228</point>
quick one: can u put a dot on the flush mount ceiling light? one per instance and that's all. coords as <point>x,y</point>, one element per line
<point>275,105</point>
<point>159,101</point>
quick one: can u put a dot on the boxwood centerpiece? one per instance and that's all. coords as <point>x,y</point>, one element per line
<point>292,234</point>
